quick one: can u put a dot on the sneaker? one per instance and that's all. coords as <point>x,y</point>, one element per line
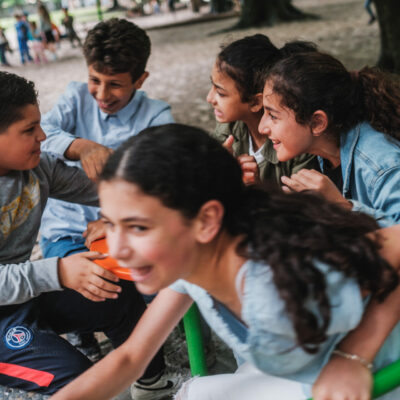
<point>167,385</point>
<point>87,344</point>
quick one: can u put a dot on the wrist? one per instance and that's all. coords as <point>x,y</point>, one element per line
<point>77,148</point>
<point>354,357</point>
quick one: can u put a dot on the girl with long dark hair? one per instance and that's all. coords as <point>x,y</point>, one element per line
<point>280,277</point>
<point>350,120</point>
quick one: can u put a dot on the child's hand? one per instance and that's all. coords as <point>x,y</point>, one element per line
<point>343,379</point>
<point>310,179</point>
<point>80,273</point>
<point>92,156</point>
<point>228,143</point>
<point>94,230</point>
<point>251,173</point>
<point>93,159</point>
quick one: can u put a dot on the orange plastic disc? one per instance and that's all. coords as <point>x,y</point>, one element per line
<point>109,263</point>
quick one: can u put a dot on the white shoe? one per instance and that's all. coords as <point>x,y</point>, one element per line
<point>167,385</point>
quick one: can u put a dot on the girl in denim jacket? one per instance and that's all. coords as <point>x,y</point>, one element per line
<point>350,120</point>
<point>281,278</point>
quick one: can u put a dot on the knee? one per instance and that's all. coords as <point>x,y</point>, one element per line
<point>197,389</point>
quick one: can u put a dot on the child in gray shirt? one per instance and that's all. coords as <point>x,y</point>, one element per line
<point>41,299</point>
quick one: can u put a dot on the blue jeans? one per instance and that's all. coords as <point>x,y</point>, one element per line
<point>24,51</point>
<point>3,59</point>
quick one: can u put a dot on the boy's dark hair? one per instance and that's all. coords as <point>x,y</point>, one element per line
<point>16,92</point>
<point>117,46</point>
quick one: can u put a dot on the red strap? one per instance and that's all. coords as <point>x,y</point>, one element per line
<point>41,378</point>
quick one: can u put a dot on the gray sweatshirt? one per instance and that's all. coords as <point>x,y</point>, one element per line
<point>23,196</point>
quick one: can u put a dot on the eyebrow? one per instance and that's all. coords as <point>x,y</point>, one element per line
<point>31,123</point>
<point>129,219</point>
<point>217,86</point>
<point>271,109</point>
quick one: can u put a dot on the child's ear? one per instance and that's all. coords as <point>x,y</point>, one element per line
<point>256,103</point>
<point>139,82</point>
<point>209,221</point>
<point>319,123</point>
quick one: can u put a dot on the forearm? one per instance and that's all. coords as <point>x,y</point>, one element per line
<point>95,383</point>
<point>24,281</point>
<point>376,325</point>
<point>77,148</point>
<point>379,318</point>
<point>127,363</point>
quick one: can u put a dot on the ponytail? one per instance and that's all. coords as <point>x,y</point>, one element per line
<point>313,81</point>
<point>381,100</point>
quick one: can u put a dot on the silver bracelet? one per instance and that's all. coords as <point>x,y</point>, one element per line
<point>354,357</point>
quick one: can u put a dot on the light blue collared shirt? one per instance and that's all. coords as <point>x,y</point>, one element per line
<point>370,162</point>
<point>271,342</point>
<point>77,115</point>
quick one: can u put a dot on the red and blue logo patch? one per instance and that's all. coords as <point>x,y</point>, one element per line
<point>18,337</point>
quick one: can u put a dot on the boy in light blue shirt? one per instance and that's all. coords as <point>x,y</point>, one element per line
<point>88,122</point>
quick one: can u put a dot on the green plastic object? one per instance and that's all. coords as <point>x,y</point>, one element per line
<point>99,12</point>
<point>386,379</point>
<point>194,340</point>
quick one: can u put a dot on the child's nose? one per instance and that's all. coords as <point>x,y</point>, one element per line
<point>210,96</point>
<point>116,245</point>
<point>263,126</point>
<point>41,135</point>
<point>102,92</point>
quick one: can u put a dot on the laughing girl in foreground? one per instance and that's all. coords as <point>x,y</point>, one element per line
<point>280,277</point>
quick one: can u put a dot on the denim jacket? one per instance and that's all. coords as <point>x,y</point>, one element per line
<point>271,343</point>
<point>370,162</point>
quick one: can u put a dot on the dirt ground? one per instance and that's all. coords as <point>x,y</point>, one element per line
<point>182,57</point>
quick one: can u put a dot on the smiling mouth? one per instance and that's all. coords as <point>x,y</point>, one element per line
<point>139,274</point>
<point>106,106</point>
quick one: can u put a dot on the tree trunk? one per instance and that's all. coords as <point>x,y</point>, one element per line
<point>219,6</point>
<point>196,5</point>
<point>388,12</point>
<point>269,12</point>
<point>116,6</point>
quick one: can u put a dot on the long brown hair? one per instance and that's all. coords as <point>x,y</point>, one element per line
<point>315,81</point>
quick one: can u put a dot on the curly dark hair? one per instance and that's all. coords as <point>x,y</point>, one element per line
<point>314,81</point>
<point>117,46</point>
<point>247,60</point>
<point>16,93</point>
<point>184,168</point>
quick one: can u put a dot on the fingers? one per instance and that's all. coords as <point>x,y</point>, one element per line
<point>104,273</point>
<point>293,184</point>
<point>304,180</point>
<point>249,168</point>
<point>229,143</point>
<point>95,230</point>
<point>94,159</point>
<point>89,169</point>
<point>286,189</point>
<point>101,288</point>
